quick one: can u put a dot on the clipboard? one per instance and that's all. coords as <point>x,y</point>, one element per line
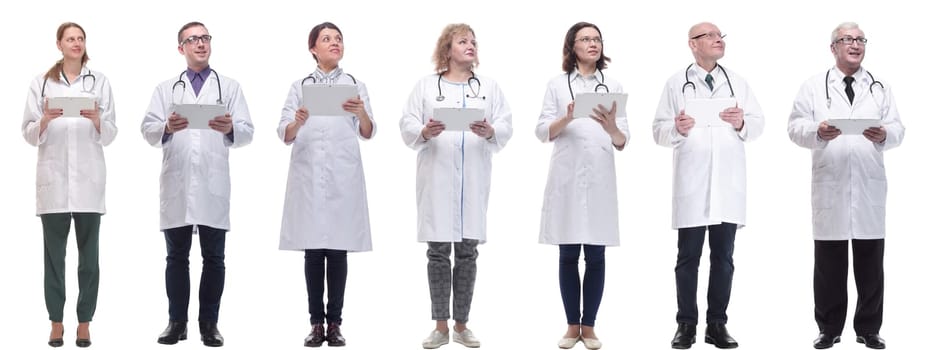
<point>854,126</point>
<point>458,119</point>
<point>197,115</point>
<point>326,100</point>
<point>71,106</point>
<point>706,111</point>
<point>585,103</point>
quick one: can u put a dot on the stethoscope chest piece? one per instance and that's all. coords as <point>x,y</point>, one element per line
<point>439,98</point>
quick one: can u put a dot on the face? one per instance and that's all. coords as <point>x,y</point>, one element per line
<point>72,43</point>
<point>849,55</point>
<point>587,46</point>
<point>463,49</point>
<point>196,46</point>
<point>708,42</point>
<point>328,48</point>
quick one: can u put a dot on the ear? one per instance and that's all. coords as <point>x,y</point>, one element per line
<point>833,49</point>
<point>180,48</point>
<point>312,51</point>
<point>58,44</point>
<point>692,44</point>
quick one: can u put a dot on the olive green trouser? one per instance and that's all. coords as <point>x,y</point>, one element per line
<point>87,229</point>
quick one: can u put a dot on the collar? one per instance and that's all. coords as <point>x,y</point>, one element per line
<point>329,78</point>
<point>192,74</point>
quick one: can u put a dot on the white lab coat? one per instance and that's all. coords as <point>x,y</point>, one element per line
<point>326,196</point>
<point>454,169</point>
<point>71,171</point>
<point>709,166</point>
<point>848,185</point>
<point>195,181</point>
<point>580,200</point>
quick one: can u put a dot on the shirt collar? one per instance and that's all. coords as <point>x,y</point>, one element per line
<point>203,73</point>
<point>329,78</point>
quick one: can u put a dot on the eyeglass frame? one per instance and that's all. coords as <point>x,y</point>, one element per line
<point>848,40</point>
<point>586,40</point>
<point>710,35</point>
<point>205,39</point>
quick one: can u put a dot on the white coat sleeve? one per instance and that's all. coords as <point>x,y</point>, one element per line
<point>753,116</point>
<point>803,130</point>
<point>664,122</point>
<point>288,115</point>
<point>501,120</point>
<point>32,115</point>
<point>155,121</point>
<point>362,91</point>
<point>894,130</point>
<point>548,114</point>
<point>621,120</point>
<point>107,106</point>
<point>413,117</point>
<point>242,129</point>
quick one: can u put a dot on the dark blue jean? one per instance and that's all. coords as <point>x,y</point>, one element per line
<point>337,273</point>
<point>593,283</point>
<point>177,274</point>
<point>720,277</point>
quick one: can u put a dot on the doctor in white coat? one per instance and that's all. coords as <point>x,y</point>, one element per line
<point>71,174</point>
<point>709,179</point>
<point>453,174</point>
<point>325,210</point>
<point>848,185</point>
<point>195,181</point>
<point>580,211</point>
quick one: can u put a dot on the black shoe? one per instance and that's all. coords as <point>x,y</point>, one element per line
<point>57,342</point>
<point>716,333</point>
<point>685,336</point>
<point>209,334</point>
<point>333,336</point>
<point>872,341</point>
<point>826,341</point>
<point>82,343</point>
<point>316,337</point>
<point>175,331</point>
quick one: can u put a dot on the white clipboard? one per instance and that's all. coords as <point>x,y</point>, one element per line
<point>586,103</point>
<point>706,111</point>
<point>458,119</point>
<point>71,106</point>
<point>197,115</point>
<point>326,100</point>
<point>853,126</point>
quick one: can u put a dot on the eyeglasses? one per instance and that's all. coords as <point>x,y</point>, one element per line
<point>588,40</point>
<point>849,40</point>
<point>710,35</point>
<point>205,39</point>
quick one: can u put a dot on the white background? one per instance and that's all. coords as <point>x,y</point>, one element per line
<point>775,45</point>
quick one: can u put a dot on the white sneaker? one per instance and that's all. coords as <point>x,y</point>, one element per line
<point>466,338</point>
<point>435,340</point>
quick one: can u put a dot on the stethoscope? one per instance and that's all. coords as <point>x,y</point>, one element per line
<point>827,86</point>
<point>470,80</point>
<point>690,83</point>
<point>316,81</point>
<point>83,83</point>
<point>183,85</point>
<point>597,86</point>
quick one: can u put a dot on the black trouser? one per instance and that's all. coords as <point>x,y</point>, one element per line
<point>720,277</point>
<point>177,273</point>
<point>337,273</point>
<point>830,285</point>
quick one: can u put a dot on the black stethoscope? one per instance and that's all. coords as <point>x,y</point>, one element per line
<point>83,83</point>
<point>827,86</point>
<point>470,80</point>
<point>316,81</point>
<point>690,83</point>
<point>597,86</point>
<point>183,84</point>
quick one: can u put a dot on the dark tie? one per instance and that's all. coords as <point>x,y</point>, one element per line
<point>848,80</point>
<point>710,80</point>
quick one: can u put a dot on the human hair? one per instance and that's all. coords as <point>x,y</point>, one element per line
<point>316,31</point>
<point>569,56</point>
<point>842,26</point>
<point>185,27</point>
<point>54,73</point>
<point>440,56</point>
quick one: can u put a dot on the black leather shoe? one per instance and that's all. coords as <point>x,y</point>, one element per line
<point>716,334</point>
<point>872,341</point>
<point>334,337</point>
<point>57,342</point>
<point>826,341</point>
<point>175,331</point>
<point>684,337</point>
<point>209,333</point>
<point>82,343</point>
<point>316,337</point>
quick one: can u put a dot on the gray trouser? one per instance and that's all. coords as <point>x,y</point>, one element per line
<point>441,281</point>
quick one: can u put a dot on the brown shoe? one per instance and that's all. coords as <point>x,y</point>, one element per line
<point>316,337</point>
<point>334,337</point>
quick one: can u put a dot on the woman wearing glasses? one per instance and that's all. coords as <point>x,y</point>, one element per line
<point>325,210</point>
<point>453,172</point>
<point>70,116</point>
<point>580,212</point>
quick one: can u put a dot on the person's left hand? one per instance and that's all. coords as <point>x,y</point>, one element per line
<point>606,117</point>
<point>93,115</point>
<point>222,124</point>
<point>482,129</point>
<point>734,116</point>
<point>876,135</point>
<point>355,106</point>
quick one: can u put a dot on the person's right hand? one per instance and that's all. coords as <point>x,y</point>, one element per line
<point>684,123</point>
<point>49,114</point>
<point>569,115</point>
<point>175,123</point>
<point>302,114</point>
<point>432,129</point>
<point>827,132</point>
